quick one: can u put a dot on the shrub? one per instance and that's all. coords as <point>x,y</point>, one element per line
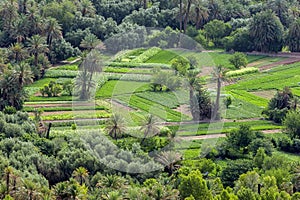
<point>248,70</point>
<point>238,60</point>
<point>9,110</point>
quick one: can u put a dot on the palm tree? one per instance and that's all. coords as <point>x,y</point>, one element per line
<point>8,171</point>
<point>52,30</point>
<point>82,83</point>
<point>80,174</point>
<point>17,51</point>
<point>149,127</point>
<point>116,126</point>
<point>187,14</point>
<point>90,42</point>
<point>21,28</point>
<point>36,46</point>
<point>23,74</point>
<point>169,159</point>
<point>87,8</point>
<point>8,13</point>
<point>201,14</point>
<point>111,181</point>
<point>91,64</point>
<point>219,76</point>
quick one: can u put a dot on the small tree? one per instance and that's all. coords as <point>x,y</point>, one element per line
<point>228,101</point>
<point>292,124</point>
<point>238,60</point>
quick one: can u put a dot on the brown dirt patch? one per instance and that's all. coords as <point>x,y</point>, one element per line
<point>267,94</point>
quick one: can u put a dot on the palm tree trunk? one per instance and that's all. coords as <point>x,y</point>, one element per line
<point>180,16</point>
<point>36,59</point>
<point>186,19</point>
<point>198,18</point>
<point>217,106</point>
<point>145,4</point>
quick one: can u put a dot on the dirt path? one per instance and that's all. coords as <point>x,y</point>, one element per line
<point>212,136</point>
<point>283,62</point>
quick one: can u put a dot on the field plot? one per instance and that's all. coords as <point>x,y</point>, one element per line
<point>277,78</point>
<point>162,112</point>
<point>114,87</point>
<point>203,128</point>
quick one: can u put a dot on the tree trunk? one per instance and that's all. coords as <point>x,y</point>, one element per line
<point>217,106</point>
<point>198,18</point>
<point>145,4</point>
<point>48,131</point>
<point>180,16</point>
<point>186,19</point>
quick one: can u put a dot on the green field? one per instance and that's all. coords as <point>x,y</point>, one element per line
<point>114,87</point>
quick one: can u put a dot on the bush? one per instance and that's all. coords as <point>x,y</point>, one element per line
<point>9,110</point>
<point>248,70</point>
<point>12,130</point>
<point>238,60</point>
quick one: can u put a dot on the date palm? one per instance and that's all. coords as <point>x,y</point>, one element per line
<point>36,46</point>
<point>219,76</point>
<point>8,172</point>
<point>87,8</point>
<point>168,159</point>
<point>52,30</point>
<point>201,14</point>
<point>21,28</point>
<point>82,83</point>
<point>111,181</point>
<point>8,13</point>
<point>116,126</point>
<point>149,127</point>
<point>81,174</point>
<point>17,52</point>
<point>23,74</point>
<point>90,42</point>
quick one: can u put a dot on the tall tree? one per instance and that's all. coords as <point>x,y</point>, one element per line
<point>266,31</point>
<point>23,74</point>
<point>17,52</point>
<point>149,127</point>
<point>293,37</point>
<point>116,126</point>
<point>219,76</point>
<point>36,46</point>
<point>52,30</point>
<point>168,159</point>
<point>80,174</point>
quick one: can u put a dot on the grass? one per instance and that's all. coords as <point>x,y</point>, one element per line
<point>248,97</point>
<point>277,78</point>
<point>60,73</point>
<point>168,99</point>
<point>69,116</point>
<point>40,83</point>
<point>73,67</point>
<point>114,87</point>
<point>53,109</point>
<point>163,56</point>
<point>158,110</point>
<point>240,109</point>
<point>203,129</point>
<point>59,98</point>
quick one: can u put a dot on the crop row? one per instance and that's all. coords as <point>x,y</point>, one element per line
<point>205,128</point>
<point>67,116</point>
<point>60,73</point>
<point>138,65</point>
<point>146,55</point>
<point>168,99</point>
<point>73,67</point>
<point>53,109</point>
<point>274,79</point>
<point>248,97</point>
<point>248,70</point>
<point>156,109</point>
